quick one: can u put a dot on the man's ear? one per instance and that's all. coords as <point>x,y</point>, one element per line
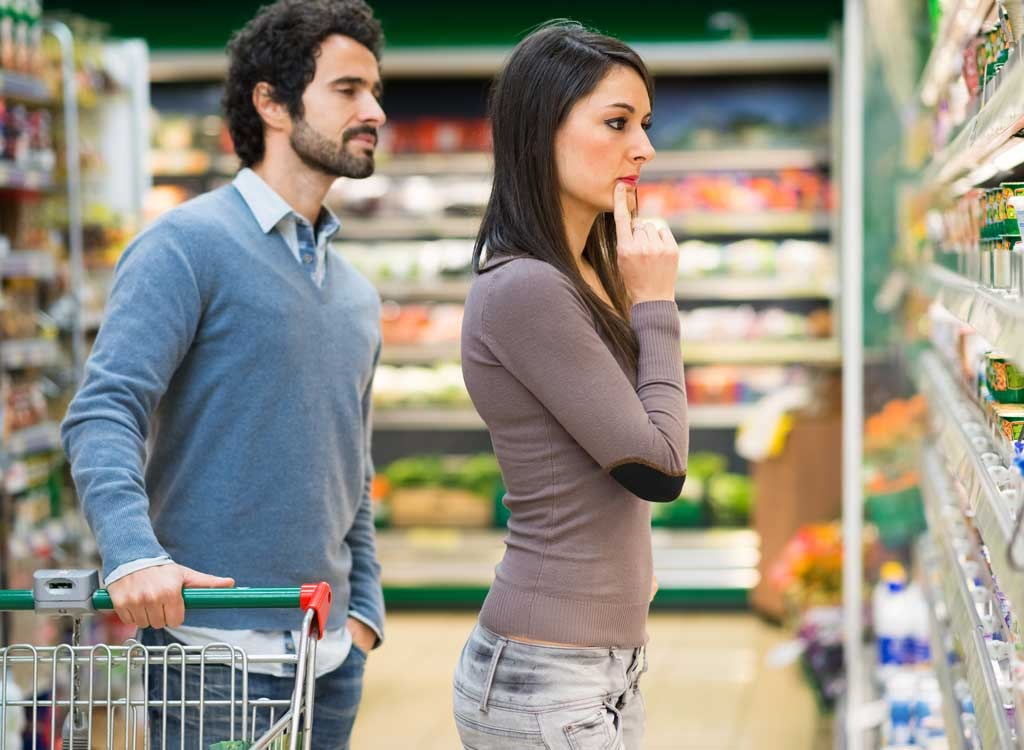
<point>273,113</point>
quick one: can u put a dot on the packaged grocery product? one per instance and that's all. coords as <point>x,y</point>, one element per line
<point>1010,420</point>
<point>1005,381</point>
<point>1011,190</point>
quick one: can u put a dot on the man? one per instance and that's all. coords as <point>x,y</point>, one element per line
<point>223,425</point>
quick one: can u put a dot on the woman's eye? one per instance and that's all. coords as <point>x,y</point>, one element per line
<point>619,123</point>
<point>646,125</point>
<point>347,92</point>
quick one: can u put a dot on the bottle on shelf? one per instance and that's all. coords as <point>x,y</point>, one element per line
<point>892,625</point>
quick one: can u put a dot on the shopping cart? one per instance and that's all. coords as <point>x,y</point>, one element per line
<point>97,693</point>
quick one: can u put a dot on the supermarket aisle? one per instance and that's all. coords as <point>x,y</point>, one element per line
<point>708,687</point>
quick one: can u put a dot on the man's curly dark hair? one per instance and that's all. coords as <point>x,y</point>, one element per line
<point>280,46</point>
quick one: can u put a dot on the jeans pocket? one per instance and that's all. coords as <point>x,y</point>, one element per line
<point>497,728</point>
<point>597,729</point>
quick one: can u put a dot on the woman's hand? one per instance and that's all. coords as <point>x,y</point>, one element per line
<point>648,256</point>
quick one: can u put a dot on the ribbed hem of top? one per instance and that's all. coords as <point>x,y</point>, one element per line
<point>517,613</point>
<point>657,329</point>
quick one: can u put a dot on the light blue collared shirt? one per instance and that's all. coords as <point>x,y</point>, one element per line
<point>273,212</point>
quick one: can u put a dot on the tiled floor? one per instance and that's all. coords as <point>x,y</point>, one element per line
<point>708,688</point>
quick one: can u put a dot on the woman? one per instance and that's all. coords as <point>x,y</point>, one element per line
<point>571,355</point>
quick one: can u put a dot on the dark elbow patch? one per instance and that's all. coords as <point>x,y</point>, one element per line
<point>648,483</point>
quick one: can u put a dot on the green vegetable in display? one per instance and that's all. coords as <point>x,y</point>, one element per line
<point>703,466</point>
<point>419,471</point>
<point>478,474</point>
<point>731,497</point>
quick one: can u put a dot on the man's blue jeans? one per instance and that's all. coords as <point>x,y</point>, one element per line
<point>338,694</point>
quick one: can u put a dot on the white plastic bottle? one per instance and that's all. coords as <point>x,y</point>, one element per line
<point>890,617</point>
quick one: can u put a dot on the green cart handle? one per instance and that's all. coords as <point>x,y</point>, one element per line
<point>311,596</point>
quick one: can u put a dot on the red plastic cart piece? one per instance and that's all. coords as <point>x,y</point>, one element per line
<point>317,597</point>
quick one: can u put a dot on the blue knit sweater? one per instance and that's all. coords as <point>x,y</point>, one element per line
<point>224,416</point>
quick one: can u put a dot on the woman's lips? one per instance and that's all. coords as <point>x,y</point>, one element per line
<point>631,181</point>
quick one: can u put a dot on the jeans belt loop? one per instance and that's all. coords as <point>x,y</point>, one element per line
<point>499,647</point>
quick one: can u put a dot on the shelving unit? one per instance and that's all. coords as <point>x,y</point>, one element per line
<point>30,454</point>
<point>932,562</point>
<point>821,352</point>
<point>665,163</point>
<point>437,418</point>
<point>964,501</point>
<point>710,288</point>
<point>965,625</point>
<point>456,567</point>
<point>950,409</point>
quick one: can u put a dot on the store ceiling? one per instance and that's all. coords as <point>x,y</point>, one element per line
<point>200,24</point>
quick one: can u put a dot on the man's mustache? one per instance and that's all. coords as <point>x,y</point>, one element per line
<point>360,130</point>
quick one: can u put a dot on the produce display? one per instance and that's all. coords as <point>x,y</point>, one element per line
<point>787,190</point>
<point>745,323</point>
<point>440,385</point>
<point>711,496</point>
<point>806,260</point>
<point>453,491</point>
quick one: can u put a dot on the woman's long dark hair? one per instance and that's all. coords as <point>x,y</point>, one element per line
<point>547,73</point>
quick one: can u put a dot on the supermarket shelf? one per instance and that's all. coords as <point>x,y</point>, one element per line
<point>441,419</point>
<point>729,288</point>
<point>16,354</point>
<point>446,165</point>
<point>797,351</point>
<point>29,264</point>
<point>948,407</point>
<point>408,228</point>
<point>32,180</point>
<point>998,319</point>
<point>718,417</point>
<point>938,616</point>
<point>24,88</point>
<point>738,289</point>
<point>461,562</point>
<point>960,21</point>
<point>810,351</point>
<point>666,162</point>
<point>985,137</point>
<point>737,160</point>
<point>435,290</point>
<point>737,223</point>
<point>40,438</point>
<point>696,224</point>
<point>427,419</point>
<point>422,354</point>
<point>690,58</point>
<point>964,622</point>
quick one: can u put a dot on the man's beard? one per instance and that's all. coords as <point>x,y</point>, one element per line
<point>323,155</point>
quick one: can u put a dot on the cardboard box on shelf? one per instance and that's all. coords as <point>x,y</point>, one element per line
<point>800,486</point>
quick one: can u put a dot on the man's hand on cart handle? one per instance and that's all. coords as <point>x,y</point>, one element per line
<point>151,597</point>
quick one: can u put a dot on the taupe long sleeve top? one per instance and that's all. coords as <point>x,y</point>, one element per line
<point>583,445</point>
